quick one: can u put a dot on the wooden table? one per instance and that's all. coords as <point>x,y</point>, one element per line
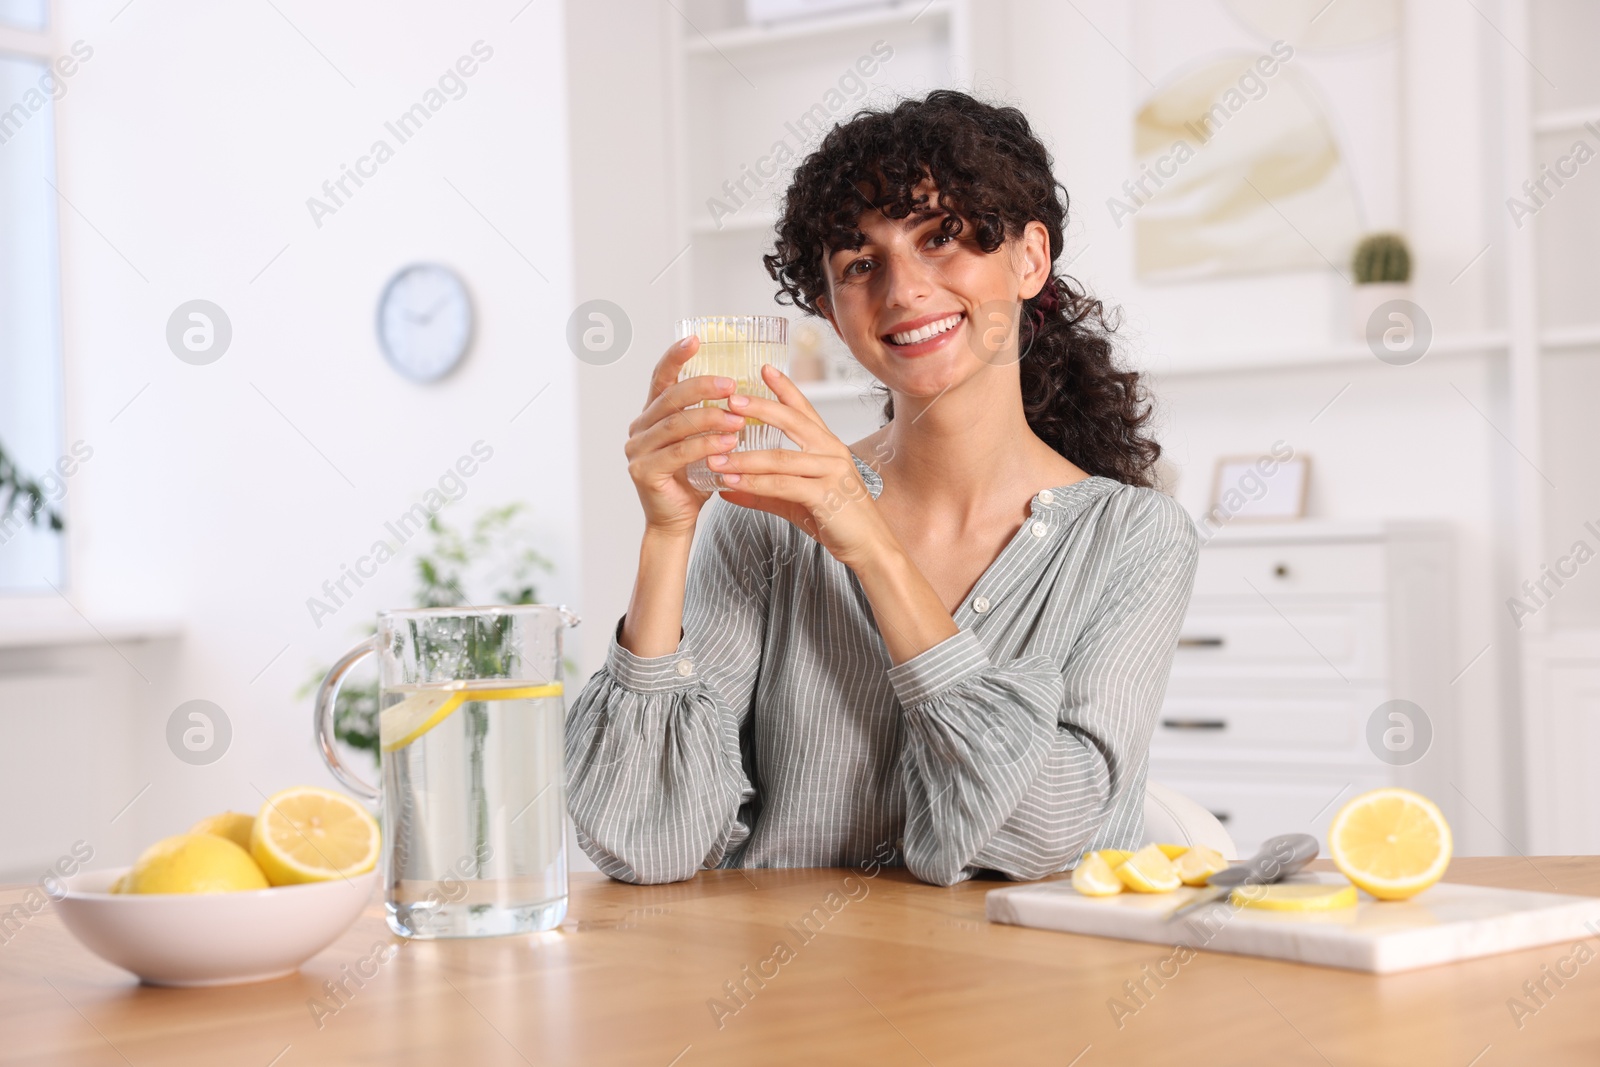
<point>888,971</point>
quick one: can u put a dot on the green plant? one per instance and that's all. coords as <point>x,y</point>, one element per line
<point>1382,257</point>
<point>14,484</point>
<point>496,552</point>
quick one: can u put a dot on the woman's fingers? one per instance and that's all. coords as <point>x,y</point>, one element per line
<point>670,364</point>
<point>679,425</point>
<point>782,472</point>
<point>679,395</point>
<point>674,457</point>
<point>791,412</point>
<point>788,392</point>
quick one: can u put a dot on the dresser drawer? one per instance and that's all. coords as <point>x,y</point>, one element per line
<point>1294,726</point>
<point>1327,641</point>
<point>1310,569</point>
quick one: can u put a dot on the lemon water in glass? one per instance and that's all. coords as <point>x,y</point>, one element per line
<point>735,346</point>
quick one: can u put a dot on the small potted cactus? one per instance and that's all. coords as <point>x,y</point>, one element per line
<point>1382,268</point>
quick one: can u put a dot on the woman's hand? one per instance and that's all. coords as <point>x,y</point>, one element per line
<point>817,488</point>
<point>665,439</point>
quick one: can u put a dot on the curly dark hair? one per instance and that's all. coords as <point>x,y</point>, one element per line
<point>991,169</point>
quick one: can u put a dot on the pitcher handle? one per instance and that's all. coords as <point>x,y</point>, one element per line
<point>327,693</point>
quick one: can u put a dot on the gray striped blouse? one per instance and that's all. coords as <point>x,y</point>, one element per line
<point>779,735</point>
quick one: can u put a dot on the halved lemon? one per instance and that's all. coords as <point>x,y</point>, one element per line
<point>1198,864</point>
<point>306,834</point>
<point>1095,878</point>
<point>1294,897</point>
<point>1392,842</point>
<point>1149,871</point>
<point>402,723</point>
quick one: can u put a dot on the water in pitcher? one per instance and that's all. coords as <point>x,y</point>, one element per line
<point>475,786</point>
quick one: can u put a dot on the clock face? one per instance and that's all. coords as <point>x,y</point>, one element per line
<point>424,321</point>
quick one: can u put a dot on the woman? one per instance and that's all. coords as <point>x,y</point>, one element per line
<point>944,644</point>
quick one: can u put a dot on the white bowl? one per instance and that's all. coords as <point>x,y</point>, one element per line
<point>201,939</point>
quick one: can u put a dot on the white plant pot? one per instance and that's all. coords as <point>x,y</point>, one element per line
<point>1365,300</point>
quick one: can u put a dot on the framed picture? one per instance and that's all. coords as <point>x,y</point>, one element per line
<point>1261,488</point>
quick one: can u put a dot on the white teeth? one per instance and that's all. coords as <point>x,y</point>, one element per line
<point>930,330</point>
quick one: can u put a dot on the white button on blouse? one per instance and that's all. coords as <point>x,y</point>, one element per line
<point>1040,529</point>
<point>685,667</point>
<point>1046,497</point>
<point>980,605</point>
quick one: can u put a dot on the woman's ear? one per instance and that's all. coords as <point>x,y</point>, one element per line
<point>1035,258</point>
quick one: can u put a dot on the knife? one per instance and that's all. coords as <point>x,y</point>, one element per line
<point>1277,858</point>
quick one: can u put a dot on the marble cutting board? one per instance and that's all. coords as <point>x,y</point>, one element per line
<point>1445,923</point>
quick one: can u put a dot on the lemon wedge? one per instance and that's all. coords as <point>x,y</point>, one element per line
<point>230,824</point>
<point>1198,864</point>
<point>402,723</point>
<point>1172,852</point>
<point>1149,871</point>
<point>306,834</point>
<point>192,863</point>
<point>1392,842</point>
<point>1294,897</point>
<point>1114,856</point>
<point>1094,877</point>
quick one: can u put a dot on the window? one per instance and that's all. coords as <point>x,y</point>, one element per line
<point>32,554</point>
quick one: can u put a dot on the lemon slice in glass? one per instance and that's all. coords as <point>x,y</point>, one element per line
<point>402,723</point>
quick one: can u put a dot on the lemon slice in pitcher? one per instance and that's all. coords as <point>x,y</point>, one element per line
<point>402,723</point>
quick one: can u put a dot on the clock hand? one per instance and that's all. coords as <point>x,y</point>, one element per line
<point>427,318</point>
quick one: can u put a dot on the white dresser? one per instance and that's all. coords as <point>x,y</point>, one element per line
<point>1296,634</point>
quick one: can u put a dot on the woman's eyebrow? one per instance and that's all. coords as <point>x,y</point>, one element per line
<point>917,219</point>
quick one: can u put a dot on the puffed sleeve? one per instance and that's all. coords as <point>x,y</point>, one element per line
<point>656,780</point>
<point>1014,766</point>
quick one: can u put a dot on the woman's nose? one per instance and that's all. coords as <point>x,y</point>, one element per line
<point>908,279</point>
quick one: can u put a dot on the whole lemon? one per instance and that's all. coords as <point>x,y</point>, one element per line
<point>230,824</point>
<point>194,863</point>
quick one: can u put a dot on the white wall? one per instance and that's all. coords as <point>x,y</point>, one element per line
<point>189,144</point>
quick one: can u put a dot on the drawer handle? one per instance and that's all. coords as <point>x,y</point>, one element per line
<point>1199,642</point>
<point>1281,570</point>
<point>1194,724</point>
<point>1220,816</point>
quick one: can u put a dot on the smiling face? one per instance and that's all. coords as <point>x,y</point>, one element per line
<point>924,312</point>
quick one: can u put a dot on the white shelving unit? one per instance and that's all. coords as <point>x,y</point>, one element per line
<point>741,90</point>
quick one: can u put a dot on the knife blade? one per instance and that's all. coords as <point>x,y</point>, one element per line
<point>1277,858</point>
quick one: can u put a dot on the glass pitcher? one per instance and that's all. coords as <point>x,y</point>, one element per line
<point>470,724</point>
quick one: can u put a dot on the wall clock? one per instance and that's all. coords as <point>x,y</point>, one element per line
<point>424,321</point>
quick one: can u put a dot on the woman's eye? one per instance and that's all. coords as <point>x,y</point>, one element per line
<point>940,237</point>
<point>851,269</point>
